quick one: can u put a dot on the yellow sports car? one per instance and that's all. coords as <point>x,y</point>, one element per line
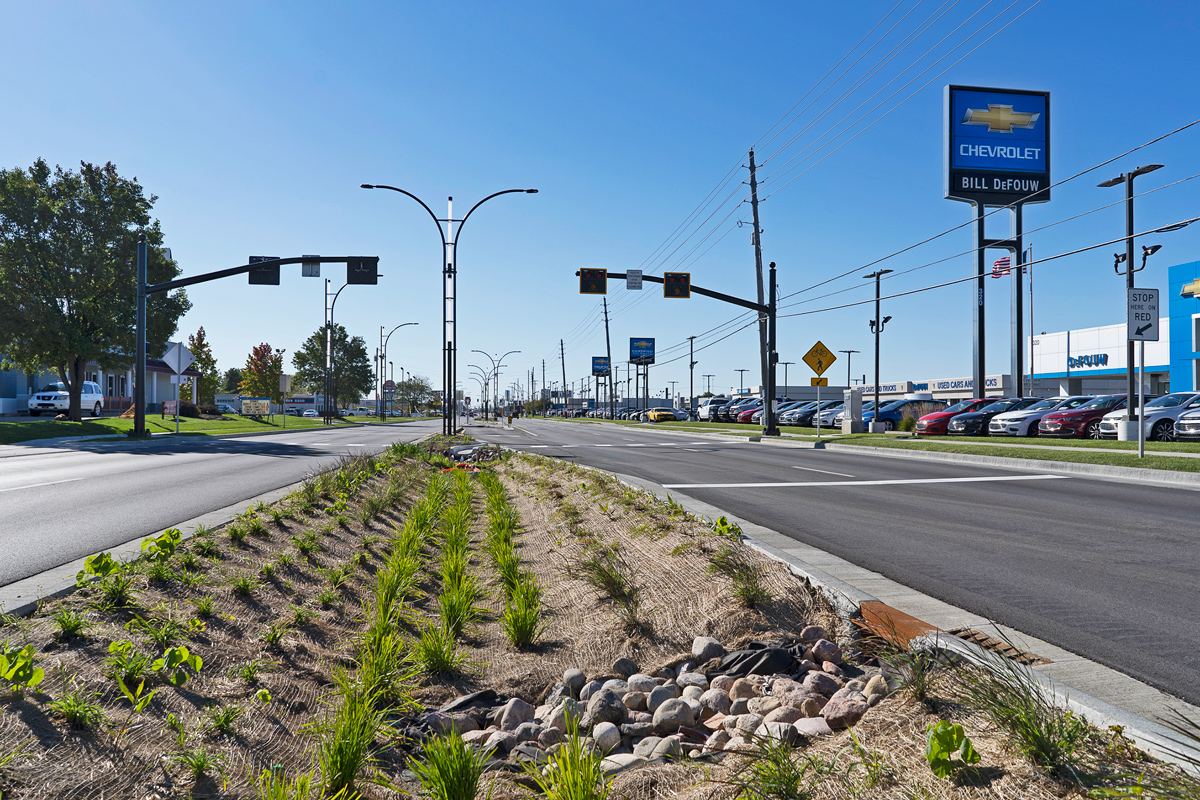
<point>660,415</point>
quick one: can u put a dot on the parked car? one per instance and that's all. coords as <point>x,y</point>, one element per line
<point>890,414</point>
<point>729,411</point>
<point>828,415</point>
<point>935,423</point>
<point>309,412</point>
<point>804,416</point>
<point>660,414</point>
<point>1187,427</point>
<point>710,404</point>
<point>788,417</point>
<point>841,416</point>
<point>54,399</point>
<point>746,411</point>
<point>975,423</point>
<point>780,408</point>
<point>1158,419</point>
<point>1082,421</point>
<point>225,408</point>
<point>1025,421</point>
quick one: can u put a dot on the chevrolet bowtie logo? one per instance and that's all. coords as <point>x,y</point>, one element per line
<point>1191,289</point>
<point>642,344</point>
<point>1000,119</point>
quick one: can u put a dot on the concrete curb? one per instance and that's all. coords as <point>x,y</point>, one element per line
<point>847,601</point>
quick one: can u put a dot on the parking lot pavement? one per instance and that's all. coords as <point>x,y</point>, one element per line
<point>1101,568</point>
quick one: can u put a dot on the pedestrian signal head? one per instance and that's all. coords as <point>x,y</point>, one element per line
<point>593,281</point>
<point>677,284</point>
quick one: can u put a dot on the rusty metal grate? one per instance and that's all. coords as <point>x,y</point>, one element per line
<point>997,646</point>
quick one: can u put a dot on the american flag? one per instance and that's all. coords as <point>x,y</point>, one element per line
<point>1001,267</point>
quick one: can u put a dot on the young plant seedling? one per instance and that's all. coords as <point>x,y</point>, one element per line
<point>946,739</point>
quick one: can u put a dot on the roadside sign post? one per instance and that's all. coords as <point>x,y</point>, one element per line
<point>178,359</point>
<point>1141,326</point>
<point>819,358</point>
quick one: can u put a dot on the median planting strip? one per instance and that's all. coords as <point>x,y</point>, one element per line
<point>385,628</point>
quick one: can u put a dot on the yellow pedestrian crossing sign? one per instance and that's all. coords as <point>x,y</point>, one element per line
<point>819,358</point>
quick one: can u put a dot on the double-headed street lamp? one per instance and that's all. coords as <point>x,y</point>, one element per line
<point>449,294</point>
<point>496,364</point>
<point>383,357</point>
<point>1125,429</point>
<point>877,327</point>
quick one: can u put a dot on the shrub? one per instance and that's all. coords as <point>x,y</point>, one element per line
<point>221,719</point>
<point>573,772</point>
<point>436,652</point>
<point>908,423</point>
<point>346,736</point>
<point>449,768</point>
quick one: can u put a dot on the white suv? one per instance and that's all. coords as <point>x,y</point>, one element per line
<point>55,400</point>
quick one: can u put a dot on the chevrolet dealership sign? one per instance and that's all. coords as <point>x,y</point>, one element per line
<point>997,145</point>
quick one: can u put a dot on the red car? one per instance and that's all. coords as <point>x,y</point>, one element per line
<point>1082,422</point>
<point>936,422</point>
<point>746,414</point>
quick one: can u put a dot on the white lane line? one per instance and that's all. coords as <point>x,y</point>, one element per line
<point>635,445</point>
<point>827,472</point>
<point>36,485</point>
<point>604,445</point>
<point>861,483</point>
<point>537,446</point>
<point>692,450</point>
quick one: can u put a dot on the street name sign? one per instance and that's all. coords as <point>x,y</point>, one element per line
<point>1142,325</point>
<point>819,358</point>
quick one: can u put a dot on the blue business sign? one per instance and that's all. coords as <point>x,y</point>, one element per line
<point>599,365</point>
<point>641,351</point>
<point>997,145</point>
<point>1084,362</point>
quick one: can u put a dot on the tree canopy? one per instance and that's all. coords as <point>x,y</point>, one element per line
<point>352,375</point>
<point>414,392</point>
<point>68,271</point>
<point>233,376</point>
<point>206,364</point>
<point>260,376</point>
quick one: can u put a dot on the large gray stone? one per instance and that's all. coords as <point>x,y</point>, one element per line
<point>635,701</point>
<point>693,692</point>
<point>716,700</point>
<point>607,706</point>
<point>672,714</point>
<point>617,685</point>
<point>813,633</point>
<point>637,730</point>
<point>607,736</point>
<point>821,683</point>
<point>763,705</point>
<point>692,679</point>
<point>437,722</point>
<point>589,688</point>
<point>740,706</point>
<point>556,693</point>
<point>572,709</point>
<point>744,688</point>
<point>658,696</point>
<point>574,679</point>
<point>645,748</point>
<point>515,712</point>
<point>779,731</point>
<point>550,737</point>
<point>844,709</point>
<point>624,667</point>
<point>641,682</point>
<point>500,741</point>
<point>669,747</point>
<point>528,731</point>
<point>706,648</point>
<point>747,724</point>
<point>786,714</point>
<point>617,763</point>
<point>812,726</point>
<point>717,741</point>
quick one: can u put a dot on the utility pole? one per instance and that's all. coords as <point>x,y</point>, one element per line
<point>758,270</point>
<point>608,350</point>
<point>543,387</point>
<point>848,354</point>
<point>691,375</point>
<point>563,355</point>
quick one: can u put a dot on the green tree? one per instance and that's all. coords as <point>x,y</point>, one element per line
<point>206,364</point>
<point>260,376</point>
<point>68,271</point>
<point>232,378</point>
<point>352,374</point>
<point>415,391</point>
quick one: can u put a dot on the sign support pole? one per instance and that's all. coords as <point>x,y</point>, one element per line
<point>978,371</point>
<point>1141,398</point>
<point>139,370</point>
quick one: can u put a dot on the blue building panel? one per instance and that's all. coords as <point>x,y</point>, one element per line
<point>1183,304</point>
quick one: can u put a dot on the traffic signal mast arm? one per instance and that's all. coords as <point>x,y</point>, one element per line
<point>737,301</point>
<point>178,283</point>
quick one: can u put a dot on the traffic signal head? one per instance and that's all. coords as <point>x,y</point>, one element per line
<point>593,281</point>
<point>677,284</point>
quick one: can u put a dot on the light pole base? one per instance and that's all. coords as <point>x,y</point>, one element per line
<point>852,426</point>
<point>1127,430</point>
<point>878,427</point>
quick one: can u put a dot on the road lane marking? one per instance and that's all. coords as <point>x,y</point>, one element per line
<point>36,485</point>
<point>604,445</point>
<point>827,472</point>
<point>899,482</point>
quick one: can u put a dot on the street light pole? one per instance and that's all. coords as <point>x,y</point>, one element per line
<point>1125,428</point>
<point>708,382</point>
<point>877,326</point>
<point>786,364</point>
<point>387,339</point>
<point>329,349</point>
<point>449,294</point>
<point>741,387</point>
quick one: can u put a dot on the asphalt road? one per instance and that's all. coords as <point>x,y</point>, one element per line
<point>61,502</point>
<point>1104,569</point>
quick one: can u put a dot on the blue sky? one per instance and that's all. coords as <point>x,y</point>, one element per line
<point>255,123</point>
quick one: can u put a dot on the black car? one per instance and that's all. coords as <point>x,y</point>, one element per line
<point>805,418</point>
<point>729,411</point>
<point>975,423</point>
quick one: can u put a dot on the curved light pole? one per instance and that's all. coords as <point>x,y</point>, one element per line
<point>329,348</point>
<point>486,376</point>
<point>496,366</point>
<point>449,293</point>
<point>383,361</point>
